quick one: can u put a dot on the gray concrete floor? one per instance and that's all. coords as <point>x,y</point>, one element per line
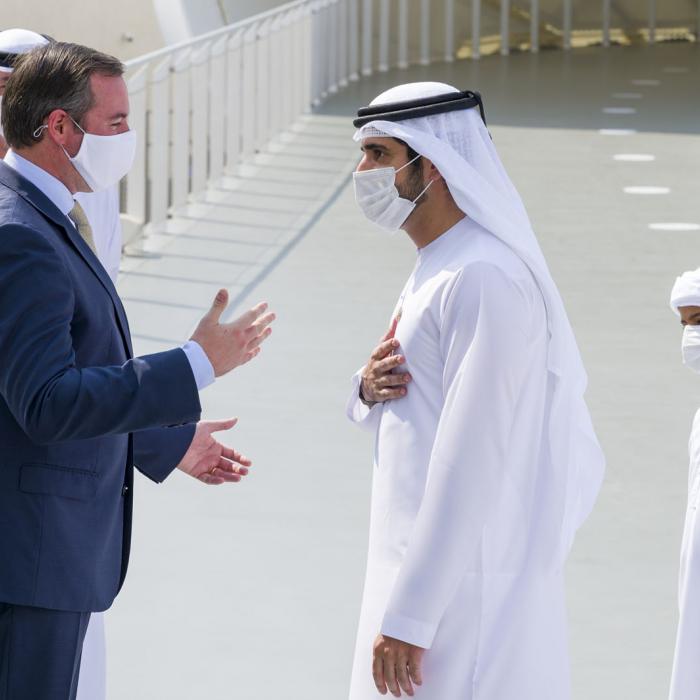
<point>252,591</point>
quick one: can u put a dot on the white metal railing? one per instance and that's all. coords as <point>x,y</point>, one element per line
<point>203,106</point>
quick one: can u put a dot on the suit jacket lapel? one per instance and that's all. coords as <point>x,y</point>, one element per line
<point>43,204</point>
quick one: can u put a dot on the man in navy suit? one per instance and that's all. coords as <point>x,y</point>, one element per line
<point>77,410</point>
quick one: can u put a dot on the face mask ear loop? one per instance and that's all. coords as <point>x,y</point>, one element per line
<point>425,189</point>
<point>405,165</point>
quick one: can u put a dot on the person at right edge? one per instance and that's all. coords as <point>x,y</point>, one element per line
<point>685,677</point>
<point>486,461</point>
<point>77,410</point>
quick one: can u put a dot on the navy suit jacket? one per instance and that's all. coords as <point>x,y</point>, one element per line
<point>77,411</point>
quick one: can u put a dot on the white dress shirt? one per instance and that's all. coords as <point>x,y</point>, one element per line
<point>102,209</point>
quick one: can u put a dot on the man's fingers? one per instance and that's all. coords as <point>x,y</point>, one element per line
<point>383,349</point>
<point>258,327</point>
<point>231,454</point>
<point>402,674</point>
<point>230,467</point>
<point>251,316</point>
<point>393,380</point>
<point>390,676</point>
<point>387,394</point>
<point>255,342</point>
<point>392,329</point>
<point>216,426</point>
<point>414,667</point>
<point>218,305</point>
<point>210,479</point>
<point>378,673</point>
<point>388,363</point>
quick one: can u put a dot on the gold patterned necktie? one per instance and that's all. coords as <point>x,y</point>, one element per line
<point>78,217</point>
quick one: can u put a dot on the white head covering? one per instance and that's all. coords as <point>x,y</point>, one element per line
<point>686,290</point>
<point>19,41</point>
<point>461,148</point>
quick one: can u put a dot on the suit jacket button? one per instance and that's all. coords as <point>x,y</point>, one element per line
<point>125,490</point>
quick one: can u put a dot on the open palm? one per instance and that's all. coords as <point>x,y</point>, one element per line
<point>210,461</point>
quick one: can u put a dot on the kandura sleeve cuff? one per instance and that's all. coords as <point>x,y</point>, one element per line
<point>416,632</point>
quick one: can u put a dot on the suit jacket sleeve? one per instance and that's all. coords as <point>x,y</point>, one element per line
<point>158,451</point>
<point>49,396</point>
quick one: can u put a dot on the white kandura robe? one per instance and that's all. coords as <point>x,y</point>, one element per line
<point>102,211</point>
<point>685,681</point>
<point>465,541</point>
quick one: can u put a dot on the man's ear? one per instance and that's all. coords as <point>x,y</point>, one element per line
<point>59,126</point>
<point>432,172</point>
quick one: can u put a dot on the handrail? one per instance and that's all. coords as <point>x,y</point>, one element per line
<point>204,106</point>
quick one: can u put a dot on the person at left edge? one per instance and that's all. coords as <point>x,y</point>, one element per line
<point>102,211</point>
<point>77,410</point>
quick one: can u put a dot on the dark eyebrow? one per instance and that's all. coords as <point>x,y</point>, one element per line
<point>119,115</point>
<point>374,147</point>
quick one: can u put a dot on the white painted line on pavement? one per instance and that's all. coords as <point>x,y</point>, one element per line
<point>675,226</point>
<point>619,110</point>
<point>647,189</point>
<point>634,157</point>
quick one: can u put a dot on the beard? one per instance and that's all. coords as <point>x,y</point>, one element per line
<point>412,186</point>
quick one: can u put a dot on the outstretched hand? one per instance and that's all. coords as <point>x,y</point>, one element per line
<point>210,461</point>
<point>229,345</point>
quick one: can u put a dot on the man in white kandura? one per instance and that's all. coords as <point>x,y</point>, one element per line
<point>685,681</point>
<point>486,461</point>
<point>102,210</point>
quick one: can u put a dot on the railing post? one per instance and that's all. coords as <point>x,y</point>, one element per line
<point>306,56</point>
<point>248,97</point>
<point>476,29</point>
<point>234,98</point>
<point>317,67</point>
<point>354,27</point>
<point>367,37</point>
<point>606,23</point>
<point>331,42</point>
<point>217,102</point>
<point>286,68</point>
<point>159,143</point>
<point>384,36</point>
<point>343,72</point>
<point>567,23</point>
<point>505,27</point>
<point>535,26</point>
<point>275,79</point>
<point>403,34</point>
<point>449,31</point>
<point>425,33</point>
<point>180,142</point>
<point>200,117</point>
<point>135,210</point>
<point>262,84</point>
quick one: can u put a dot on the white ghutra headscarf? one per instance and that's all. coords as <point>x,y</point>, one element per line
<point>459,145</point>
<point>686,290</point>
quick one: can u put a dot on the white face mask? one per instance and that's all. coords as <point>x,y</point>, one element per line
<point>2,133</point>
<point>377,196</point>
<point>102,160</point>
<point>690,347</point>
